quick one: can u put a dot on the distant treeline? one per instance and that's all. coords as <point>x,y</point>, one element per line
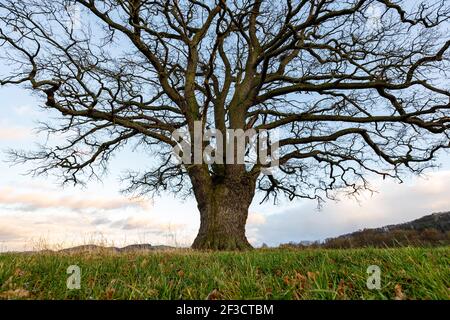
<point>429,230</point>
<point>393,238</point>
<point>377,238</point>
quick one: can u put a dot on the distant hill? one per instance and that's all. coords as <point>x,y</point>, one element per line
<point>439,221</point>
<point>430,230</point>
<point>130,248</point>
<point>433,229</point>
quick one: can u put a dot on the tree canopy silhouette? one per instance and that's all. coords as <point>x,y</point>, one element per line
<point>351,87</point>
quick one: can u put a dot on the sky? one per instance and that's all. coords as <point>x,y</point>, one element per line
<point>37,213</point>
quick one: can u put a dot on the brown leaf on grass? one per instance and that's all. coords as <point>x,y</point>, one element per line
<point>180,273</point>
<point>312,275</point>
<point>214,295</point>
<point>152,292</point>
<point>350,285</point>
<point>19,272</point>
<point>301,280</point>
<point>300,277</point>
<point>110,293</point>
<point>341,289</point>
<point>399,295</point>
<point>15,294</point>
<point>91,282</point>
<point>297,295</point>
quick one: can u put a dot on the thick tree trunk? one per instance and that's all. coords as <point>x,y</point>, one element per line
<point>222,221</point>
<point>223,214</point>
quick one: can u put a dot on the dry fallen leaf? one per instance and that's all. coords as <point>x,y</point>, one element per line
<point>312,275</point>
<point>19,272</point>
<point>15,294</point>
<point>180,273</point>
<point>301,279</point>
<point>341,289</point>
<point>152,292</point>
<point>399,295</point>
<point>214,295</point>
<point>110,293</point>
<point>91,282</point>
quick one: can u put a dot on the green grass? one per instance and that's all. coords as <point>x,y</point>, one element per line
<point>406,273</point>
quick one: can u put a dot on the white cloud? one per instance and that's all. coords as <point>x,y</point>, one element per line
<point>34,200</point>
<point>147,223</point>
<point>255,219</point>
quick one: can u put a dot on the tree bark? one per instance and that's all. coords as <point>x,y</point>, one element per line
<point>223,210</point>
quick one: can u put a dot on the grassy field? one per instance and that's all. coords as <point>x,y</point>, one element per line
<point>406,273</point>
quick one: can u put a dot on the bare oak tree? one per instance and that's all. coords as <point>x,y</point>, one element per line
<point>353,87</point>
